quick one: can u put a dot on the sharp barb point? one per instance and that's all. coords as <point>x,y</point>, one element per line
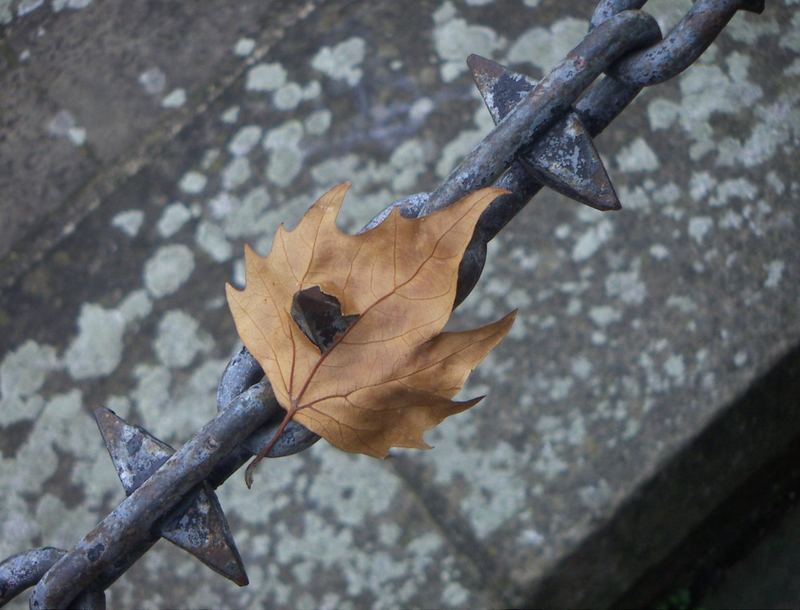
<point>565,158</point>
<point>198,525</point>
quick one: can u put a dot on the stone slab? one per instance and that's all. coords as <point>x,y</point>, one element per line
<point>636,329</point>
<point>37,167</point>
<point>91,87</point>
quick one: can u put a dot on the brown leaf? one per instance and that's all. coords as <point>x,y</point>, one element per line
<point>392,374</point>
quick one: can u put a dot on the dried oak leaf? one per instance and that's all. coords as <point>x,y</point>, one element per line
<point>392,374</point>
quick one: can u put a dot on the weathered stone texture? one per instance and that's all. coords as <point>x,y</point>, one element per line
<point>635,329</point>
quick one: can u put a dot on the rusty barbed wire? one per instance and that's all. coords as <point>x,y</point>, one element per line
<point>541,127</point>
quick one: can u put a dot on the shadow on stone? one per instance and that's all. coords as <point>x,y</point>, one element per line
<point>703,511</point>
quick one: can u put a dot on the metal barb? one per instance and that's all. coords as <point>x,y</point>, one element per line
<point>121,533</point>
<point>198,525</point>
<point>564,158</point>
<point>546,103</point>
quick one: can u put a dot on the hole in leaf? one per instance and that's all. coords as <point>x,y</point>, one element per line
<point>319,316</point>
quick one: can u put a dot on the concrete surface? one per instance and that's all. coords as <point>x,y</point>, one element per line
<point>637,330</point>
<point>104,85</point>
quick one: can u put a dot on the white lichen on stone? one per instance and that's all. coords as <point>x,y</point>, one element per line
<point>248,215</point>
<point>153,80</point>
<point>562,231</point>
<point>168,269</point>
<point>775,183</point>
<point>238,275</point>
<point>603,315</point>
<point>581,367</point>
<point>699,226</point>
<point>97,349</point>
<point>69,428</point>
<point>5,12</point>
<point>675,368</point>
<point>135,306</point>
<point>420,109</point>
<point>318,122</point>
<point>464,142</point>
<point>244,140</point>
<point>285,159</point>
<point>662,113</point>
<point>637,157</point>
<point>627,286</point>
<point>706,91</point>
<point>28,6</point>
<point>701,185</point>
<point>735,188</point>
<point>244,46</point>
<point>179,339</point>
<point>63,125</point>
<point>455,150</point>
<point>236,173</point>
<point>659,251</point>
<point>129,222</point>
<point>286,134</point>
<point>222,205</point>
<point>549,464</point>
<point>454,595</point>
<point>749,31</point>
<point>454,39</point>
<point>774,273</point>
<point>588,243</point>
<point>408,161</point>
<point>175,99</point>
<point>489,501</point>
<point>210,238</point>
<point>355,508</point>
<point>791,41</point>
<point>153,399</point>
<point>681,303</point>
<point>545,47</point>
<point>288,96</point>
<point>22,374</point>
<point>67,424</point>
<point>312,90</point>
<point>265,77</point>
<point>793,69</point>
<point>230,115</point>
<point>342,61</point>
<point>192,182</point>
<point>777,124</point>
<point>174,216</point>
<point>596,497</point>
<point>59,5</point>
<point>336,170</point>
<point>326,542</point>
<point>209,158</point>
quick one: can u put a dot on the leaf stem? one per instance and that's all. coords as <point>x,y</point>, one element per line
<point>248,474</point>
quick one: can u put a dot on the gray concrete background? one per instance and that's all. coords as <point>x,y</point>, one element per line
<point>142,144</point>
